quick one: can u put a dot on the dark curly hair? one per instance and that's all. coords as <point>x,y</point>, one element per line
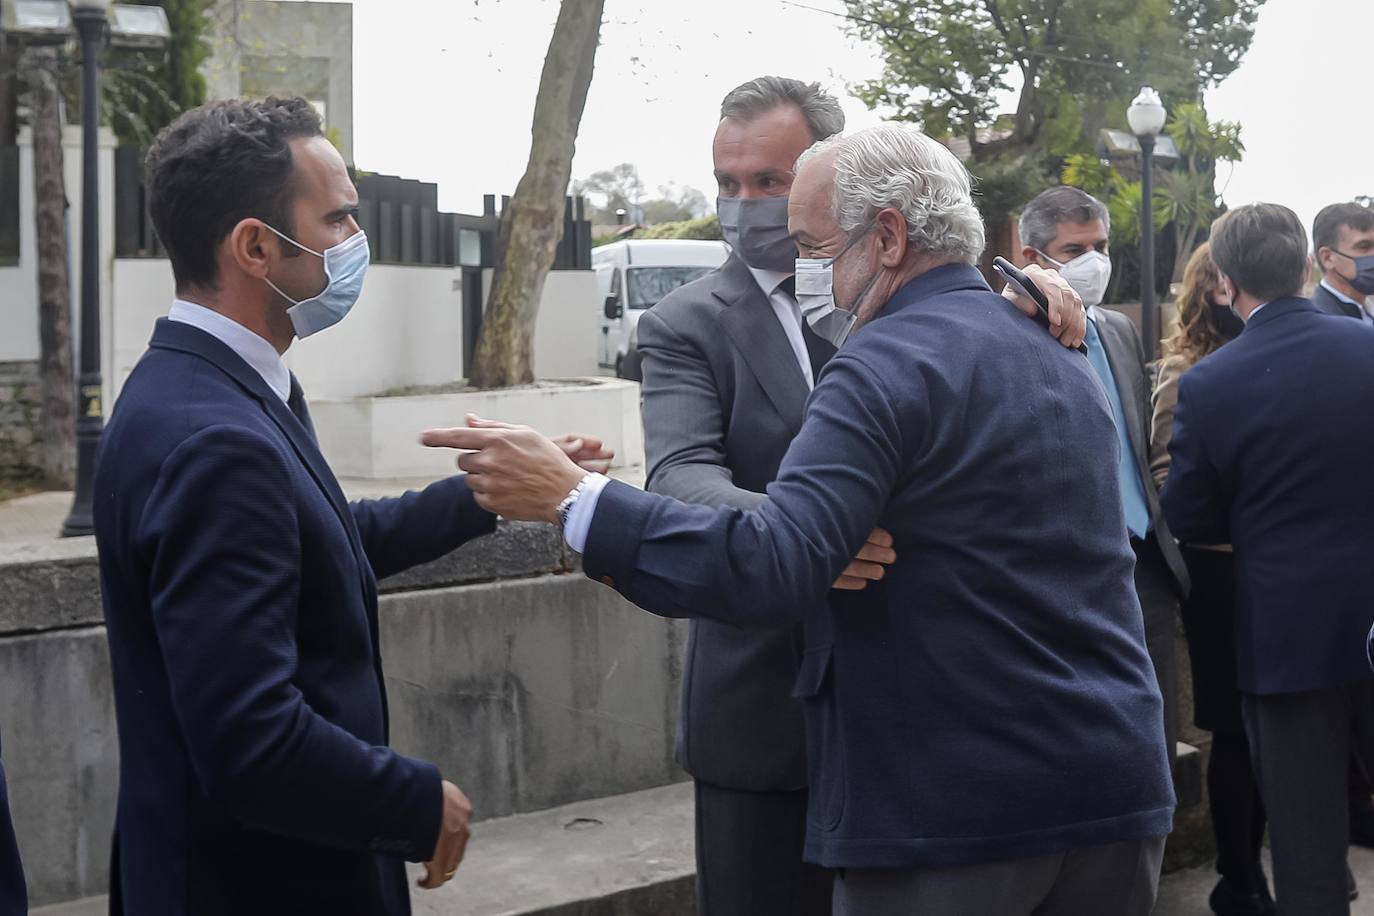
<point>217,165</point>
<point>1195,331</point>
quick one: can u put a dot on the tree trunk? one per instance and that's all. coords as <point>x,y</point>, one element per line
<point>532,223</point>
<point>54,282</point>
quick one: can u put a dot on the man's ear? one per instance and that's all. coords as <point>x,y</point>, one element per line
<point>890,227</point>
<point>1323,255</point>
<point>248,245</point>
<point>1030,256</point>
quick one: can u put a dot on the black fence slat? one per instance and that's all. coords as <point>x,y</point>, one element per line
<point>9,204</point>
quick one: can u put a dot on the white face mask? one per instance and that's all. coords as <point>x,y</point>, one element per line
<point>1088,274</point>
<point>815,281</point>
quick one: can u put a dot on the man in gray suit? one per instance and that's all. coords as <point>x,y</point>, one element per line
<point>1068,229</point>
<point>728,365</point>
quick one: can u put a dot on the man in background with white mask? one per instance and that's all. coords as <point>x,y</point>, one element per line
<point>240,588</point>
<point>1067,229</point>
<point>728,365</point>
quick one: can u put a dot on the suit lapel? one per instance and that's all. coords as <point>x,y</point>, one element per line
<point>753,327</point>
<point>173,335</point>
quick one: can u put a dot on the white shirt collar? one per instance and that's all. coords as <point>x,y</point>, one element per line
<point>252,349</point>
<point>768,280</point>
<point>1255,312</point>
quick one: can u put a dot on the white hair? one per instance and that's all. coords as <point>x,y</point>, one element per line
<point>901,168</point>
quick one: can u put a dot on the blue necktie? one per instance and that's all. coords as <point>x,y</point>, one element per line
<point>1128,475</point>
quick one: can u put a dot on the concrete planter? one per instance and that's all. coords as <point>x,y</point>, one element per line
<point>378,437</point>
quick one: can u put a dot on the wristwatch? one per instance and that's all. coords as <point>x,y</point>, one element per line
<point>565,507</point>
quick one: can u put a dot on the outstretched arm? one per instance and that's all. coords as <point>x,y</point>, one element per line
<point>753,568</point>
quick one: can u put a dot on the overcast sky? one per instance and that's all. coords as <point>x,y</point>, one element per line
<point>444,90</point>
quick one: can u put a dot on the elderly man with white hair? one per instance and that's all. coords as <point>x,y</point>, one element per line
<point>984,727</point>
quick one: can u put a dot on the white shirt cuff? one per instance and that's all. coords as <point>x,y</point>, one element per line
<point>580,515</point>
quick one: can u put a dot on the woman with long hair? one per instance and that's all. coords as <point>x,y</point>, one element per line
<point>1206,323</point>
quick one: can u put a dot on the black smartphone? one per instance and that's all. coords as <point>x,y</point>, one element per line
<point>1017,278</point>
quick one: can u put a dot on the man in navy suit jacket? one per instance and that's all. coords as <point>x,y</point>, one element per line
<point>240,588</point>
<point>1270,452</point>
<point>13,895</point>
<point>985,732</point>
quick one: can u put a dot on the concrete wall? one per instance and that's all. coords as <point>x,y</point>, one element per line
<point>378,438</point>
<point>534,690</point>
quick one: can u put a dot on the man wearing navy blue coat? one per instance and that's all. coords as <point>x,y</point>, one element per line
<point>240,587</point>
<point>985,732</point>
<point>1270,452</point>
<point>13,894</point>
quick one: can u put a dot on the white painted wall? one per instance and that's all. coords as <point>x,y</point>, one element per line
<point>567,329</point>
<point>405,330</point>
<point>19,284</point>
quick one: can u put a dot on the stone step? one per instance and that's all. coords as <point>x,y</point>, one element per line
<point>617,856</point>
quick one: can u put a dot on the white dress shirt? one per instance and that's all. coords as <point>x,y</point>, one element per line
<point>1362,306</point>
<point>252,349</point>
<point>789,315</point>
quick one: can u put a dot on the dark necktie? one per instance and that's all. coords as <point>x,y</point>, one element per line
<point>818,350</point>
<point>296,402</point>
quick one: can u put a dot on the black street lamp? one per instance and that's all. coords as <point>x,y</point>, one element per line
<point>90,18</point>
<point>1146,115</point>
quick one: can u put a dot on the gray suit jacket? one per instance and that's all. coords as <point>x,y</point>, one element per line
<point>723,399</point>
<point>1126,356</point>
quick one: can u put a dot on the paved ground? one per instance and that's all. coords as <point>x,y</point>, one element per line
<point>1185,893</point>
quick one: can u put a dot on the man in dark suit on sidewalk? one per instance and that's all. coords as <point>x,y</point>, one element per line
<point>1343,240</point>
<point>728,365</point>
<point>240,587</point>
<point>984,727</point>
<point>1068,229</point>
<point>13,895</point>
<point>1270,453</point>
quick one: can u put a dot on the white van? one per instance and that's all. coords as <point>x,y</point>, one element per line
<point>633,275</point>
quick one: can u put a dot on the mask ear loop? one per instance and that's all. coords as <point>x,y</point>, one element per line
<point>284,237</point>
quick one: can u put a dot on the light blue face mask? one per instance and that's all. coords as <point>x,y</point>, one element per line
<point>345,266</point>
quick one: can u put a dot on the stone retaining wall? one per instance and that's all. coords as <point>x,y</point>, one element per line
<point>21,399</point>
<point>527,684</point>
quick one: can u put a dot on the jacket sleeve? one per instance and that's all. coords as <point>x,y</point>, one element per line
<point>684,425</point>
<point>420,526</point>
<point>1196,497</point>
<point>761,567</point>
<point>221,537</point>
<point>1164,401</point>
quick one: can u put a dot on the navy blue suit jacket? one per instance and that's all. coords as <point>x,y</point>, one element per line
<point>241,603</point>
<point>13,896</point>
<point>1271,453</point>
<point>992,697</point>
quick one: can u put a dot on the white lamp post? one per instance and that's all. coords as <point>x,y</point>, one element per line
<point>1146,115</point>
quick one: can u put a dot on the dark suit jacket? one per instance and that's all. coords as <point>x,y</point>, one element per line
<point>1326,302</point>
<point>992,697</point>
<point>1126,356</point>
<point>241,602</point>
<point>723,398</point>
<point>13,896</point>
<point>1271,447</point>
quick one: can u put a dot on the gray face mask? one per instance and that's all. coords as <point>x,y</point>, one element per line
<point>756,228</point>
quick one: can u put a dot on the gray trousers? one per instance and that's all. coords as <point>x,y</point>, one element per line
<point>1300,744</point>
<point>1120,879</point>
<point>1159,604</point>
